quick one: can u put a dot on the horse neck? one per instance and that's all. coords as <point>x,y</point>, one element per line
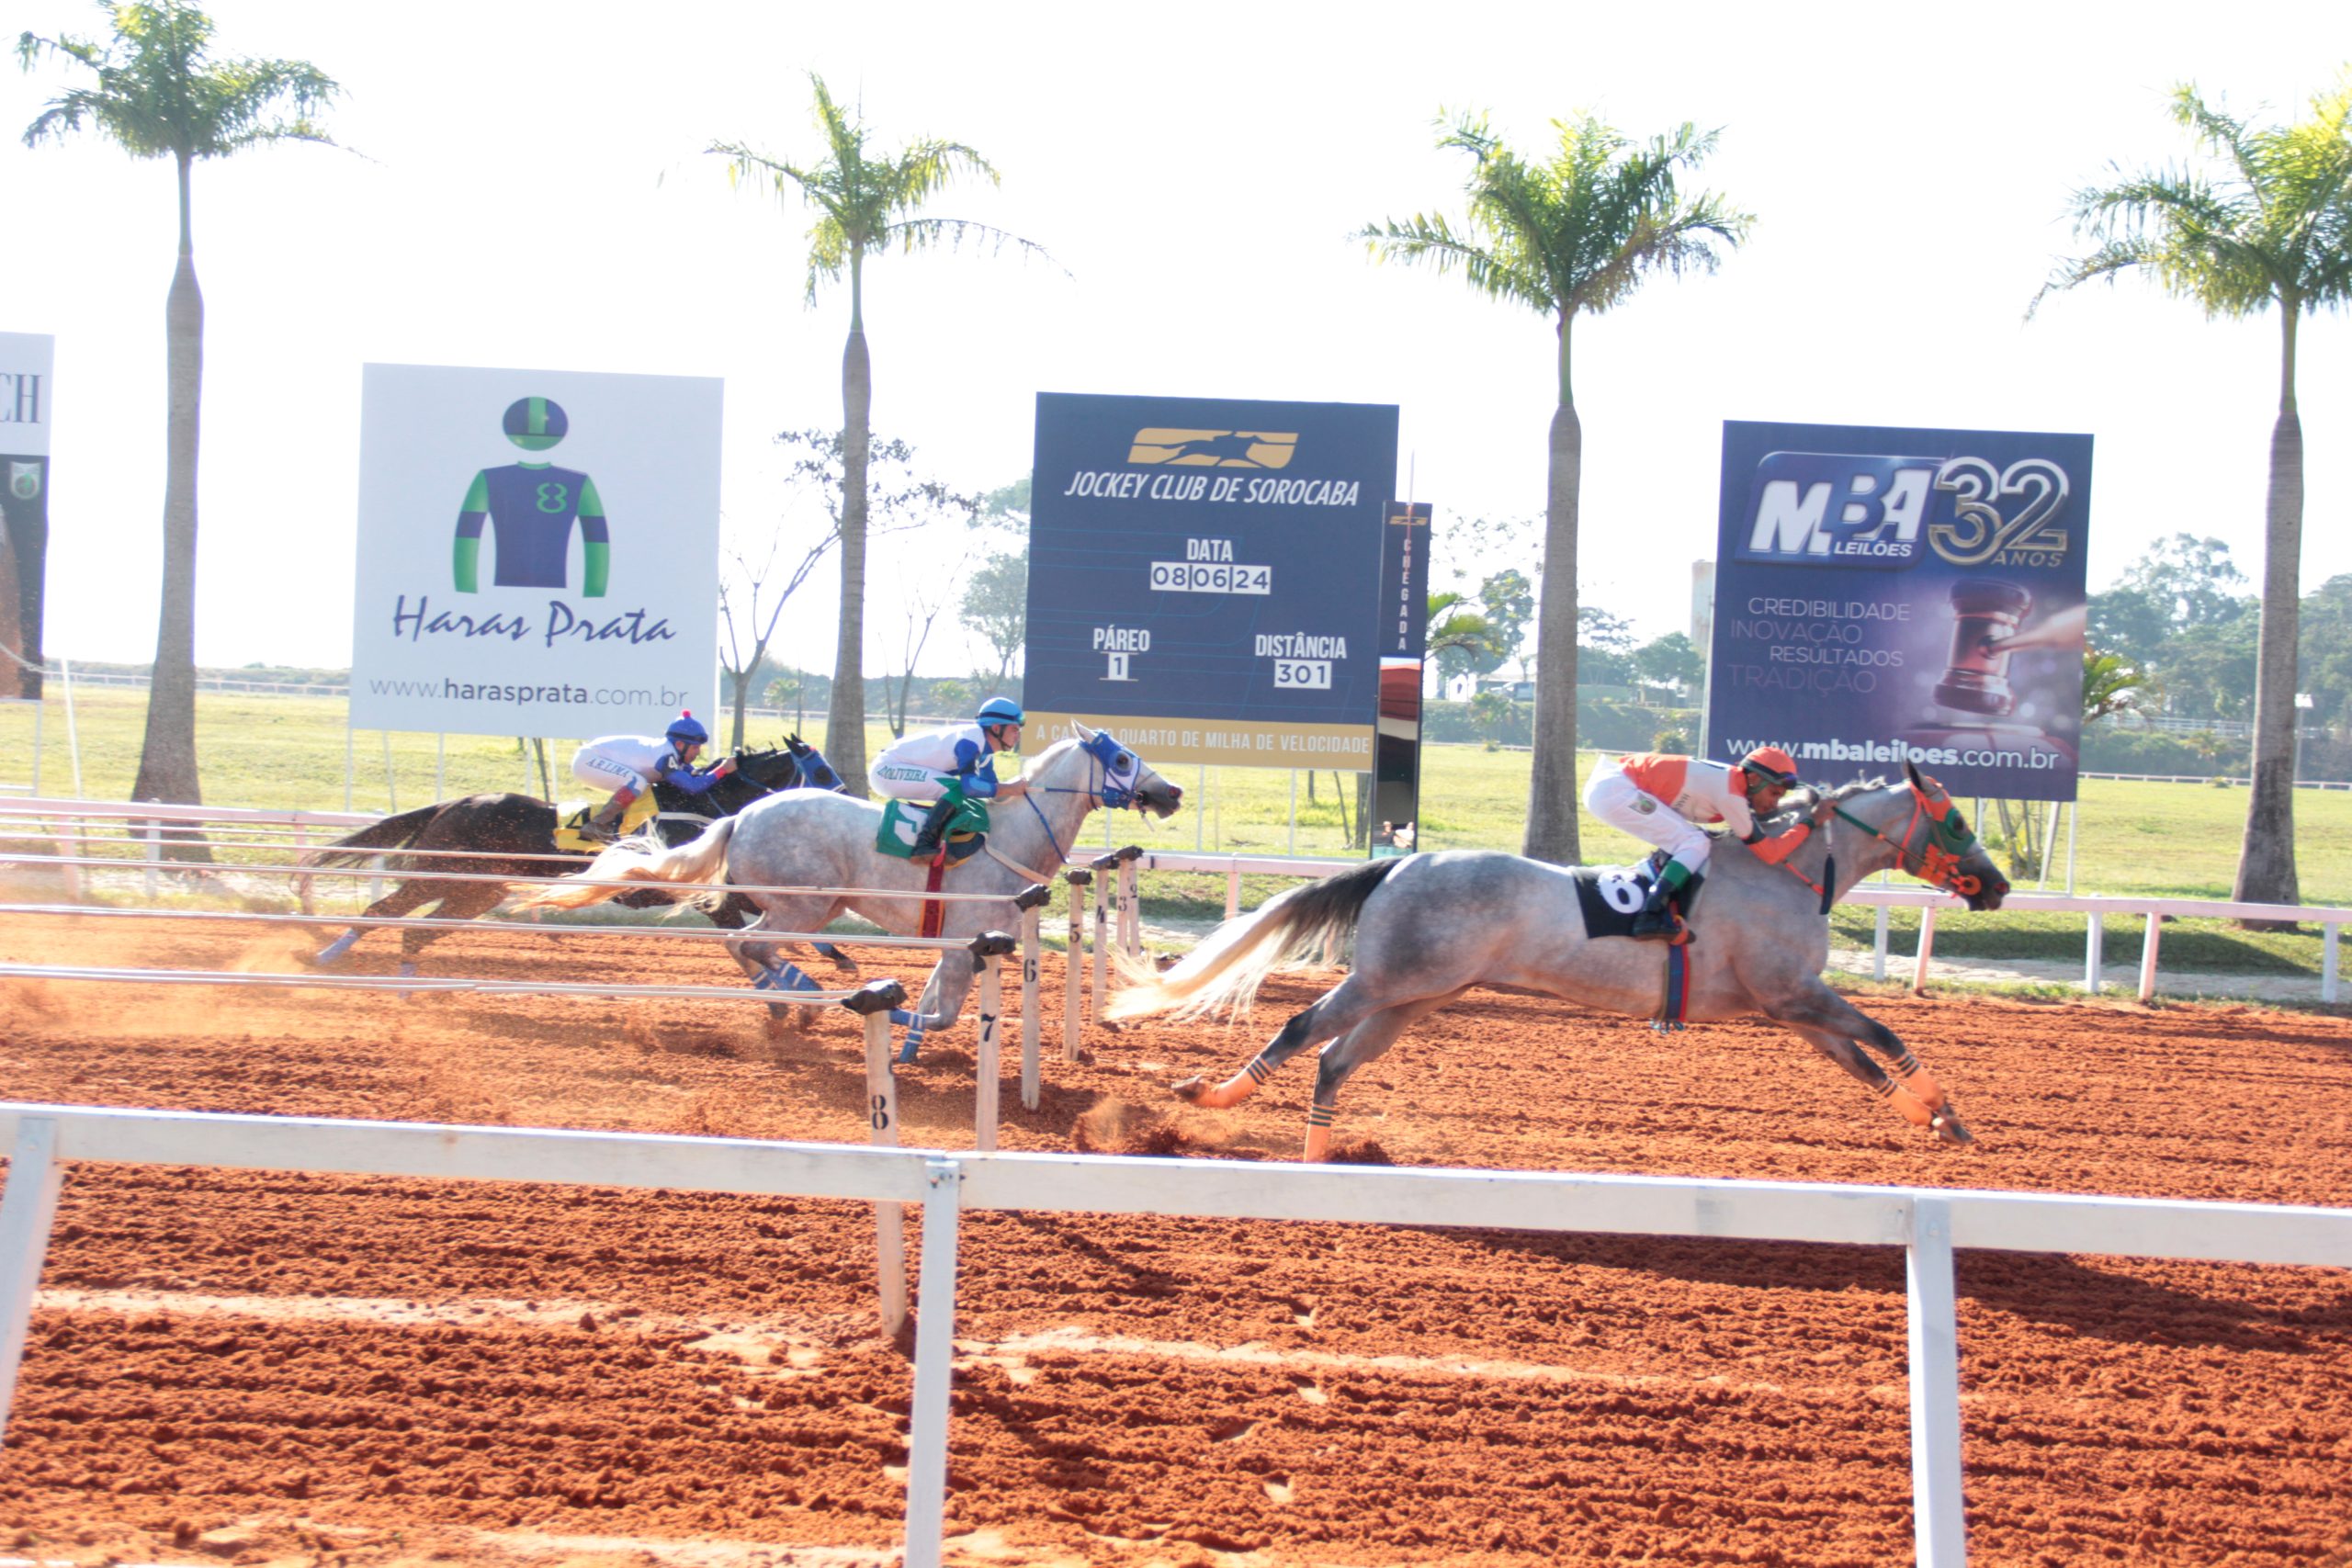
<point>1860,853</point>
<point>1064,801</point>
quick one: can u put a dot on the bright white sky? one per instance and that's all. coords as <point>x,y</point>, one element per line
<point>534,195</point>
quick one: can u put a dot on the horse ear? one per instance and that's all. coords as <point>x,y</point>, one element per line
<point>1084,733</point>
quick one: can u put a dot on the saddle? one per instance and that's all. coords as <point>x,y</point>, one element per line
<point>569,821</point>
<point>902,819</point>
<point>1609,897</point>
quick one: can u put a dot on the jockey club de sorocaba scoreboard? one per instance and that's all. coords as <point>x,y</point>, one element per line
<point>1204,576</point>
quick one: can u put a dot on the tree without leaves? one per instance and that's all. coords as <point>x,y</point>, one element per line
<point>1570,236</point>
<point>2265,221</point>
<point>865,206</point>
<point>154,90</point>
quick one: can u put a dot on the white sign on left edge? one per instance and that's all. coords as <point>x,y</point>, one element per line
<point>538,552</point>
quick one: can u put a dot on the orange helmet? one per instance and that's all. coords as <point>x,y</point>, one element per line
<point>1770,765</point>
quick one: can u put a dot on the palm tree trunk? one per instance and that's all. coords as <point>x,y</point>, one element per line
<point>2266,855</point>
<point>846,717</point>
<point>167,758</point>
<point>1551,789</point>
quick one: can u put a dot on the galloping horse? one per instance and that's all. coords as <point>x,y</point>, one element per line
<point>807,839</point>
<point>521,825</point>
<point>1429,927</point>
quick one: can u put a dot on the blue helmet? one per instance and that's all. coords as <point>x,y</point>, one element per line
<point>1000,710</point>
<point>687,730</point>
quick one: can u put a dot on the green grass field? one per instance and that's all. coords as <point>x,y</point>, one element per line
<point>2178,840</point>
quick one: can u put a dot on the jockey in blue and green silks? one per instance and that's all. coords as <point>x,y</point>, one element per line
<point>628,766</point>
<point>920,767</point>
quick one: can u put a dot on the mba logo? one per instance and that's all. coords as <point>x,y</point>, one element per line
<point>1214,448</point>
<point>1839,509</point>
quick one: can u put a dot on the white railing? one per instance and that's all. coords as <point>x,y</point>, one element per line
<point>2099,908</point>
<point>1929,1225</point>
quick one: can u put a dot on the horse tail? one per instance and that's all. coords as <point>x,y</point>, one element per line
<point>391,833</point>
<point>1225,972</point>
<point>702,860</point>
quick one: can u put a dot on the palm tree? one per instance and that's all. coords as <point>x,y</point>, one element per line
<point>2268,221</point>
<point>865,205</point>
<point>154,91</point>
<point>1571,236</point>
<point>1456,630</point>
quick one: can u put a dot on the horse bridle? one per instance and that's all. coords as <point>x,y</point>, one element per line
<point>1938,866</point>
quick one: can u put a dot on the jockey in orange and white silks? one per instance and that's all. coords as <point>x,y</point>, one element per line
<point>628,766</point>
<point>1661,799</point>
<point>919,767</point>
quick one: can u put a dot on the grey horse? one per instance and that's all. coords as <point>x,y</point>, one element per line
<point>809,838</point>
<point>1429,927</point>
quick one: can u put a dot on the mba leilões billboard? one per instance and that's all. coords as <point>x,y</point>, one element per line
<point>1204,576</point>
<point>538,551</point>
<point>1887,594</point>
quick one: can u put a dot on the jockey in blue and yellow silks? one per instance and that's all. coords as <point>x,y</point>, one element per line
<point>628,766</point>
<point>920,767</point>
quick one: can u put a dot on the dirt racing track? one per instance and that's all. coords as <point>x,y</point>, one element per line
<point>270,1366</point>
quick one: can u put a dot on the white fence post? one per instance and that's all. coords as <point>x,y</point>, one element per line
<point>2148,956</point>
<point>873,1003</point>
<point>26,1211</point>
<point>2094,952</point>
<point>1074,967</point>
<point>1232,892</point>
<point>1877,945</point>
<point>1031,1026</point>
<point>935,1366</point>
<point>154,833</point>
<point>1926,951</point>
<point>1130,908</point>
<point>1939,1523</point>
<point>2327,962</point>
<point>989,949</point>
<point>1106,872</point>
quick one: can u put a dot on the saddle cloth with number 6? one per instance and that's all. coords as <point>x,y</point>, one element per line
<point>1610,896</point>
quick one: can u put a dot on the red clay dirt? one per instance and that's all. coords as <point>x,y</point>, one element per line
<point>269,1367</point>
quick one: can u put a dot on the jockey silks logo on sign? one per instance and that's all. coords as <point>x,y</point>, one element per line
<point>1211,568</point>
<point>1890,595</point>
<point>502,593</point>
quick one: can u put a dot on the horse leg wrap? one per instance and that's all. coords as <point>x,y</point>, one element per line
<point>1919,1081</point>
<point>1914,1110</point>
<point>913,1042</point>
<point>783,977</point>
<point>1237,1088</point>
<point>1319,1134</point>
<point>335,949</point>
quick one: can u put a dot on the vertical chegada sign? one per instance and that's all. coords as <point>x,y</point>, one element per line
<point>1204,576</point>
<point>538,551</point>
<point>1885,595</point>
<point>1404,642</point>
<point>26,403</point>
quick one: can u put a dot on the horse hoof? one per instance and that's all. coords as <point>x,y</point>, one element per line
<point>1948,1129</point>
<point>1190,1090</point>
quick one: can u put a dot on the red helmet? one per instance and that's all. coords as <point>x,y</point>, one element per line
<point>1770,765</point>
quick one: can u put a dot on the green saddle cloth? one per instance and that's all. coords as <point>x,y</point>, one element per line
<point>902,819</point>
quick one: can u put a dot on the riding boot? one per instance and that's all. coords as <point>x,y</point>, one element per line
<point>1654,921</point>
<point>604,826</point>
<point>934,825</point>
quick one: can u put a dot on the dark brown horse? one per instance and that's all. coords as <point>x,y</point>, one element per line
<point>510,830</point>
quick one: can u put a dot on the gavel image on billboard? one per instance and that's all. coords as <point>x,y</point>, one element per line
<point>1985,612</point>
